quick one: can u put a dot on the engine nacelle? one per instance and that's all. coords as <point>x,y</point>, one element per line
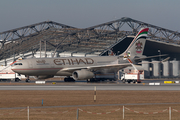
<point>44,76</point>
<point>82,74</point>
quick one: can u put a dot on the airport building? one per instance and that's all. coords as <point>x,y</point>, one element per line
<point>52,39</point>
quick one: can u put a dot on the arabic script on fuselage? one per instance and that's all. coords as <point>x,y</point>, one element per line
<point>41,61</point>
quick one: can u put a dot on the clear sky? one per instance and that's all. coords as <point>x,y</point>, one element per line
<point>87,13</point>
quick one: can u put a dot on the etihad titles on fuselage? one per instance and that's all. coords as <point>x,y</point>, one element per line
<point>73,61</point>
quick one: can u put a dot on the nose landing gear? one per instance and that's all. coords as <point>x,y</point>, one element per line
<point>27,80</point>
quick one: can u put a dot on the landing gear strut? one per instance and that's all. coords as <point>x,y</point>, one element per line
<point>27,80</point>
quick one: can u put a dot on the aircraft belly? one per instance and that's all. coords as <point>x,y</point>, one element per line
<point>105,70</point>
<point>37,72</point>
<point>63,74</point>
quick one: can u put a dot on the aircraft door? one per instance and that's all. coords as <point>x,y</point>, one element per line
<point>52,64</point>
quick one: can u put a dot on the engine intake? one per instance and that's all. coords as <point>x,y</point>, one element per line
<point>82,74</point>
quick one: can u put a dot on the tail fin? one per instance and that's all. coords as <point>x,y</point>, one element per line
<point>136,47</point>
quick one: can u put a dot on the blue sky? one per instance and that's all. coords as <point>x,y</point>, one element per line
<point>87,13</point>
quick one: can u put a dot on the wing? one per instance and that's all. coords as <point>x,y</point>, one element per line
<point>98,67</point>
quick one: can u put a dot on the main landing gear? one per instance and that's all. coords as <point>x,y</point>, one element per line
<point>69,79</point>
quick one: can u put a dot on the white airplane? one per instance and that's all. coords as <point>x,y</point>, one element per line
<point>82,68</point>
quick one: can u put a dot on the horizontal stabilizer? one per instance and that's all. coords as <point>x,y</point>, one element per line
<point>155,61</point>
<point>165,59</point>
<point>142,58</point>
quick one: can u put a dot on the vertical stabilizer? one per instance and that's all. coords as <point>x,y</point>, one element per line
<point>136,47</point>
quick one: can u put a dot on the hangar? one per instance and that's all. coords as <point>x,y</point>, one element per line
<point>52,39</point>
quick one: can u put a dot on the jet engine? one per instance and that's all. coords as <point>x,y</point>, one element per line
<point>82,74</point>
<point>44,76</point>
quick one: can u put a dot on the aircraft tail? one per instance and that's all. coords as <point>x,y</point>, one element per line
<point>136,47</point>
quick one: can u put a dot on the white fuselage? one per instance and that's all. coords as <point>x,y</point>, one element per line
<point>54,66</point>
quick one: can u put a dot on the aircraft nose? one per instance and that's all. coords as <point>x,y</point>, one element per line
<point>13,68</point>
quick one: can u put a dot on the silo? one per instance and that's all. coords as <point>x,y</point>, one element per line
<point>175,68</point>
<point>166,68</point>
<point>156,68</point>
<point>146,67</point>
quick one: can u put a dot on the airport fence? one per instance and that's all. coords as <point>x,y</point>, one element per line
<point>122,112</point>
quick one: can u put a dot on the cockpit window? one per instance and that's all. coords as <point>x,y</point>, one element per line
<point>17,63</point>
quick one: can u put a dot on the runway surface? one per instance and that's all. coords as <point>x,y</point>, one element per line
<point>83,85</point>
<point>91,87</point>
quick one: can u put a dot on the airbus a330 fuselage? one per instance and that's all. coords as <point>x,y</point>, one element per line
<point>64,66</point>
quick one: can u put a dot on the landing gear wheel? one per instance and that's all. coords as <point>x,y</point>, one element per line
<point>69,79</point>
<point>88,80</point>
<point>27,80</point>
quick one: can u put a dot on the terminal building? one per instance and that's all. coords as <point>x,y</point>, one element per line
<point>52,39</point>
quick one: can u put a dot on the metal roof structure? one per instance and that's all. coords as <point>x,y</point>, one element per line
<point>60,37</point>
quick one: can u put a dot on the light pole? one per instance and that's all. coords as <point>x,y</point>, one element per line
<point>159,51</point>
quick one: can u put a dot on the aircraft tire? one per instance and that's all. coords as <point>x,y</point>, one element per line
<point>27,80</point>
<point>69,79</point>
<point>88,80</point>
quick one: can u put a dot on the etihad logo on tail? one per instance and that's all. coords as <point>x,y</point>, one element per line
<point>142,33</point>
<point>139,47</point>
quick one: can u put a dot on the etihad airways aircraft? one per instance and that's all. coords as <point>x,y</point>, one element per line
<point>82,68</point>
